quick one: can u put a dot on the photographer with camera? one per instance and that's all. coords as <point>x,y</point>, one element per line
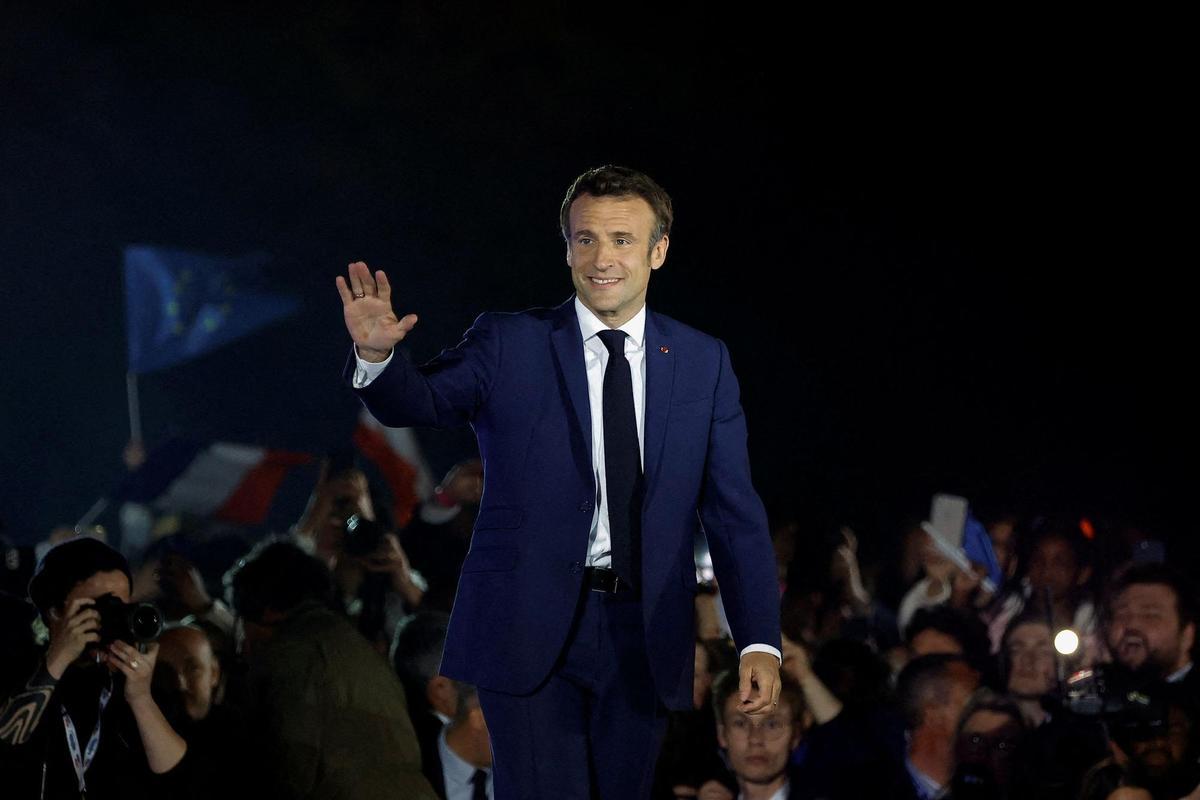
<point>375,583</point>
<point>85,722</point>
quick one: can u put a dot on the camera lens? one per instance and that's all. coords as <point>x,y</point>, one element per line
<point>145,622</point>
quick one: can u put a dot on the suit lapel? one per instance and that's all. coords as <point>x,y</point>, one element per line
<point>568,351</point>
<point>660,380</point>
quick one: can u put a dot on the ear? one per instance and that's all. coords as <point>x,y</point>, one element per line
<point>569,264</point>
<point>1085,575</point>
<point>721,736</point>
<point>658,253</point>
<point>442,695</point>
<point>1188,635</point>
<point>216,673</point>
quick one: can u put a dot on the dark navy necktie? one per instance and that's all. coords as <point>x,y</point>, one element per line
<point>622,462</point>
<point>479,779</point>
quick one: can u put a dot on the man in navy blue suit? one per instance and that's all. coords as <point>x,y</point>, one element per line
<point>608,433</point>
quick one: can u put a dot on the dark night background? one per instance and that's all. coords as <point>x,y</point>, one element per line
<point>937,268</point>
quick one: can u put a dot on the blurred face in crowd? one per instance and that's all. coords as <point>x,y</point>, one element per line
<point>1145,631</point>
<point>1158,755</point>
<point>759,747</point>
<point>1031,666</point>
<point>189,654</point>
<point>941,713</point>
<point>344,494</point>
<point>1053,566</point>
<point>989,741</point>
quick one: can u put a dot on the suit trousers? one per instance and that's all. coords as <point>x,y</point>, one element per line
<point>593,729</point>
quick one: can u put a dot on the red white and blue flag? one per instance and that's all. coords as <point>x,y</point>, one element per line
<point>234,483</point>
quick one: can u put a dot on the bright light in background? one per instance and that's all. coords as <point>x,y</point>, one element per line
<point>1066,642</point>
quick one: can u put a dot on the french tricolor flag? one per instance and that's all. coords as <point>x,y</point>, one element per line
<point>234,483</point>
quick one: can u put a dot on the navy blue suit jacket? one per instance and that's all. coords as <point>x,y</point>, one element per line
<point>519,380</point>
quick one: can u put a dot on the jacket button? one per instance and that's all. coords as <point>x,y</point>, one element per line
<point>586,505</point>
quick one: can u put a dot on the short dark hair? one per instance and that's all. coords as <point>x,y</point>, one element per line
<point>614,181</point>
<point>1154,573</point>
<point>965,629</point>
<point>278,576</point>
<point>923,681</point>
<point>726,686</point>
<point>984,699</point>
<point>417,647</point>
<point>70,563</point>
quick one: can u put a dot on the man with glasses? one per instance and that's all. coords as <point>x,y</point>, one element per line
<point>759,747</point>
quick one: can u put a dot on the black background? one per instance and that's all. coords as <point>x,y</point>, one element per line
<point>945,253</point>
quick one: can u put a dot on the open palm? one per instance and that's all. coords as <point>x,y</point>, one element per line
<point>367,307</point>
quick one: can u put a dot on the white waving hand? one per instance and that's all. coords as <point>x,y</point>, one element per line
<point>367,306</point>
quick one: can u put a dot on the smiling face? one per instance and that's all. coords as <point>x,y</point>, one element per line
<point>611,255</point>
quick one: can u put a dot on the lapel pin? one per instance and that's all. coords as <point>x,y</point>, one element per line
<point>664,349</point>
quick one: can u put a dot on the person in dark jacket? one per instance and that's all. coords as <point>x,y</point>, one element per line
<point>82,718</point>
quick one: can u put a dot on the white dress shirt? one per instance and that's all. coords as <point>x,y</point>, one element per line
<point>457,773</point>
<point>595,358</point>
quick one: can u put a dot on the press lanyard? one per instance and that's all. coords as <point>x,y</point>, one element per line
<point>82,762</point>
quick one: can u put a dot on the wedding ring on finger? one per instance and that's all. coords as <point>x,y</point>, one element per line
<point>133,664</point>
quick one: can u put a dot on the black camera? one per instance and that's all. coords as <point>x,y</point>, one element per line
<point>132,623</point>
<point>363,536</point>
<point>1133,706</point>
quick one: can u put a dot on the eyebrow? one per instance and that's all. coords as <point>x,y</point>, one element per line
<point>615,234</point>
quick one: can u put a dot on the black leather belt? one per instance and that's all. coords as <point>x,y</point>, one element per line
<point>602,579</point>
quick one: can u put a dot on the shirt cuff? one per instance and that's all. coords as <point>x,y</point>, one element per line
<point>367,371</point>
<point>763,648</point>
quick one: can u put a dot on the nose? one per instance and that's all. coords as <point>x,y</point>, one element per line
<point>605,255</point>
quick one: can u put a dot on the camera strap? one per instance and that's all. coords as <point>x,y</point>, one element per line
<point>84,760</point>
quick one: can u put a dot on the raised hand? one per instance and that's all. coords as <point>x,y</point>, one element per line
<point>137,667</point>
<point>367,307</point>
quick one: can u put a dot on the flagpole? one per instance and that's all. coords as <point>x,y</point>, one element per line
<point>135,416</point>
<point>92,513</point>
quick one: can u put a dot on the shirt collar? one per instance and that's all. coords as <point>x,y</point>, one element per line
<point>927,788</point>
<point>453,766</point>
<point>590,324</point>
<point>1180,674</point>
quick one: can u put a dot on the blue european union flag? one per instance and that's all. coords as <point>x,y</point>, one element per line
<point>978,547</point>
<point>180,304</point>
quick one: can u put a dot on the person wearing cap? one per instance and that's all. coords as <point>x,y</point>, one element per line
<point>84,721</point>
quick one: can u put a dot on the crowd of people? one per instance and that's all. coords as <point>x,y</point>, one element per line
<point>306,664</point>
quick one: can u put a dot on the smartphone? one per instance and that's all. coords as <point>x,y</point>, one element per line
<point>948,515</point>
